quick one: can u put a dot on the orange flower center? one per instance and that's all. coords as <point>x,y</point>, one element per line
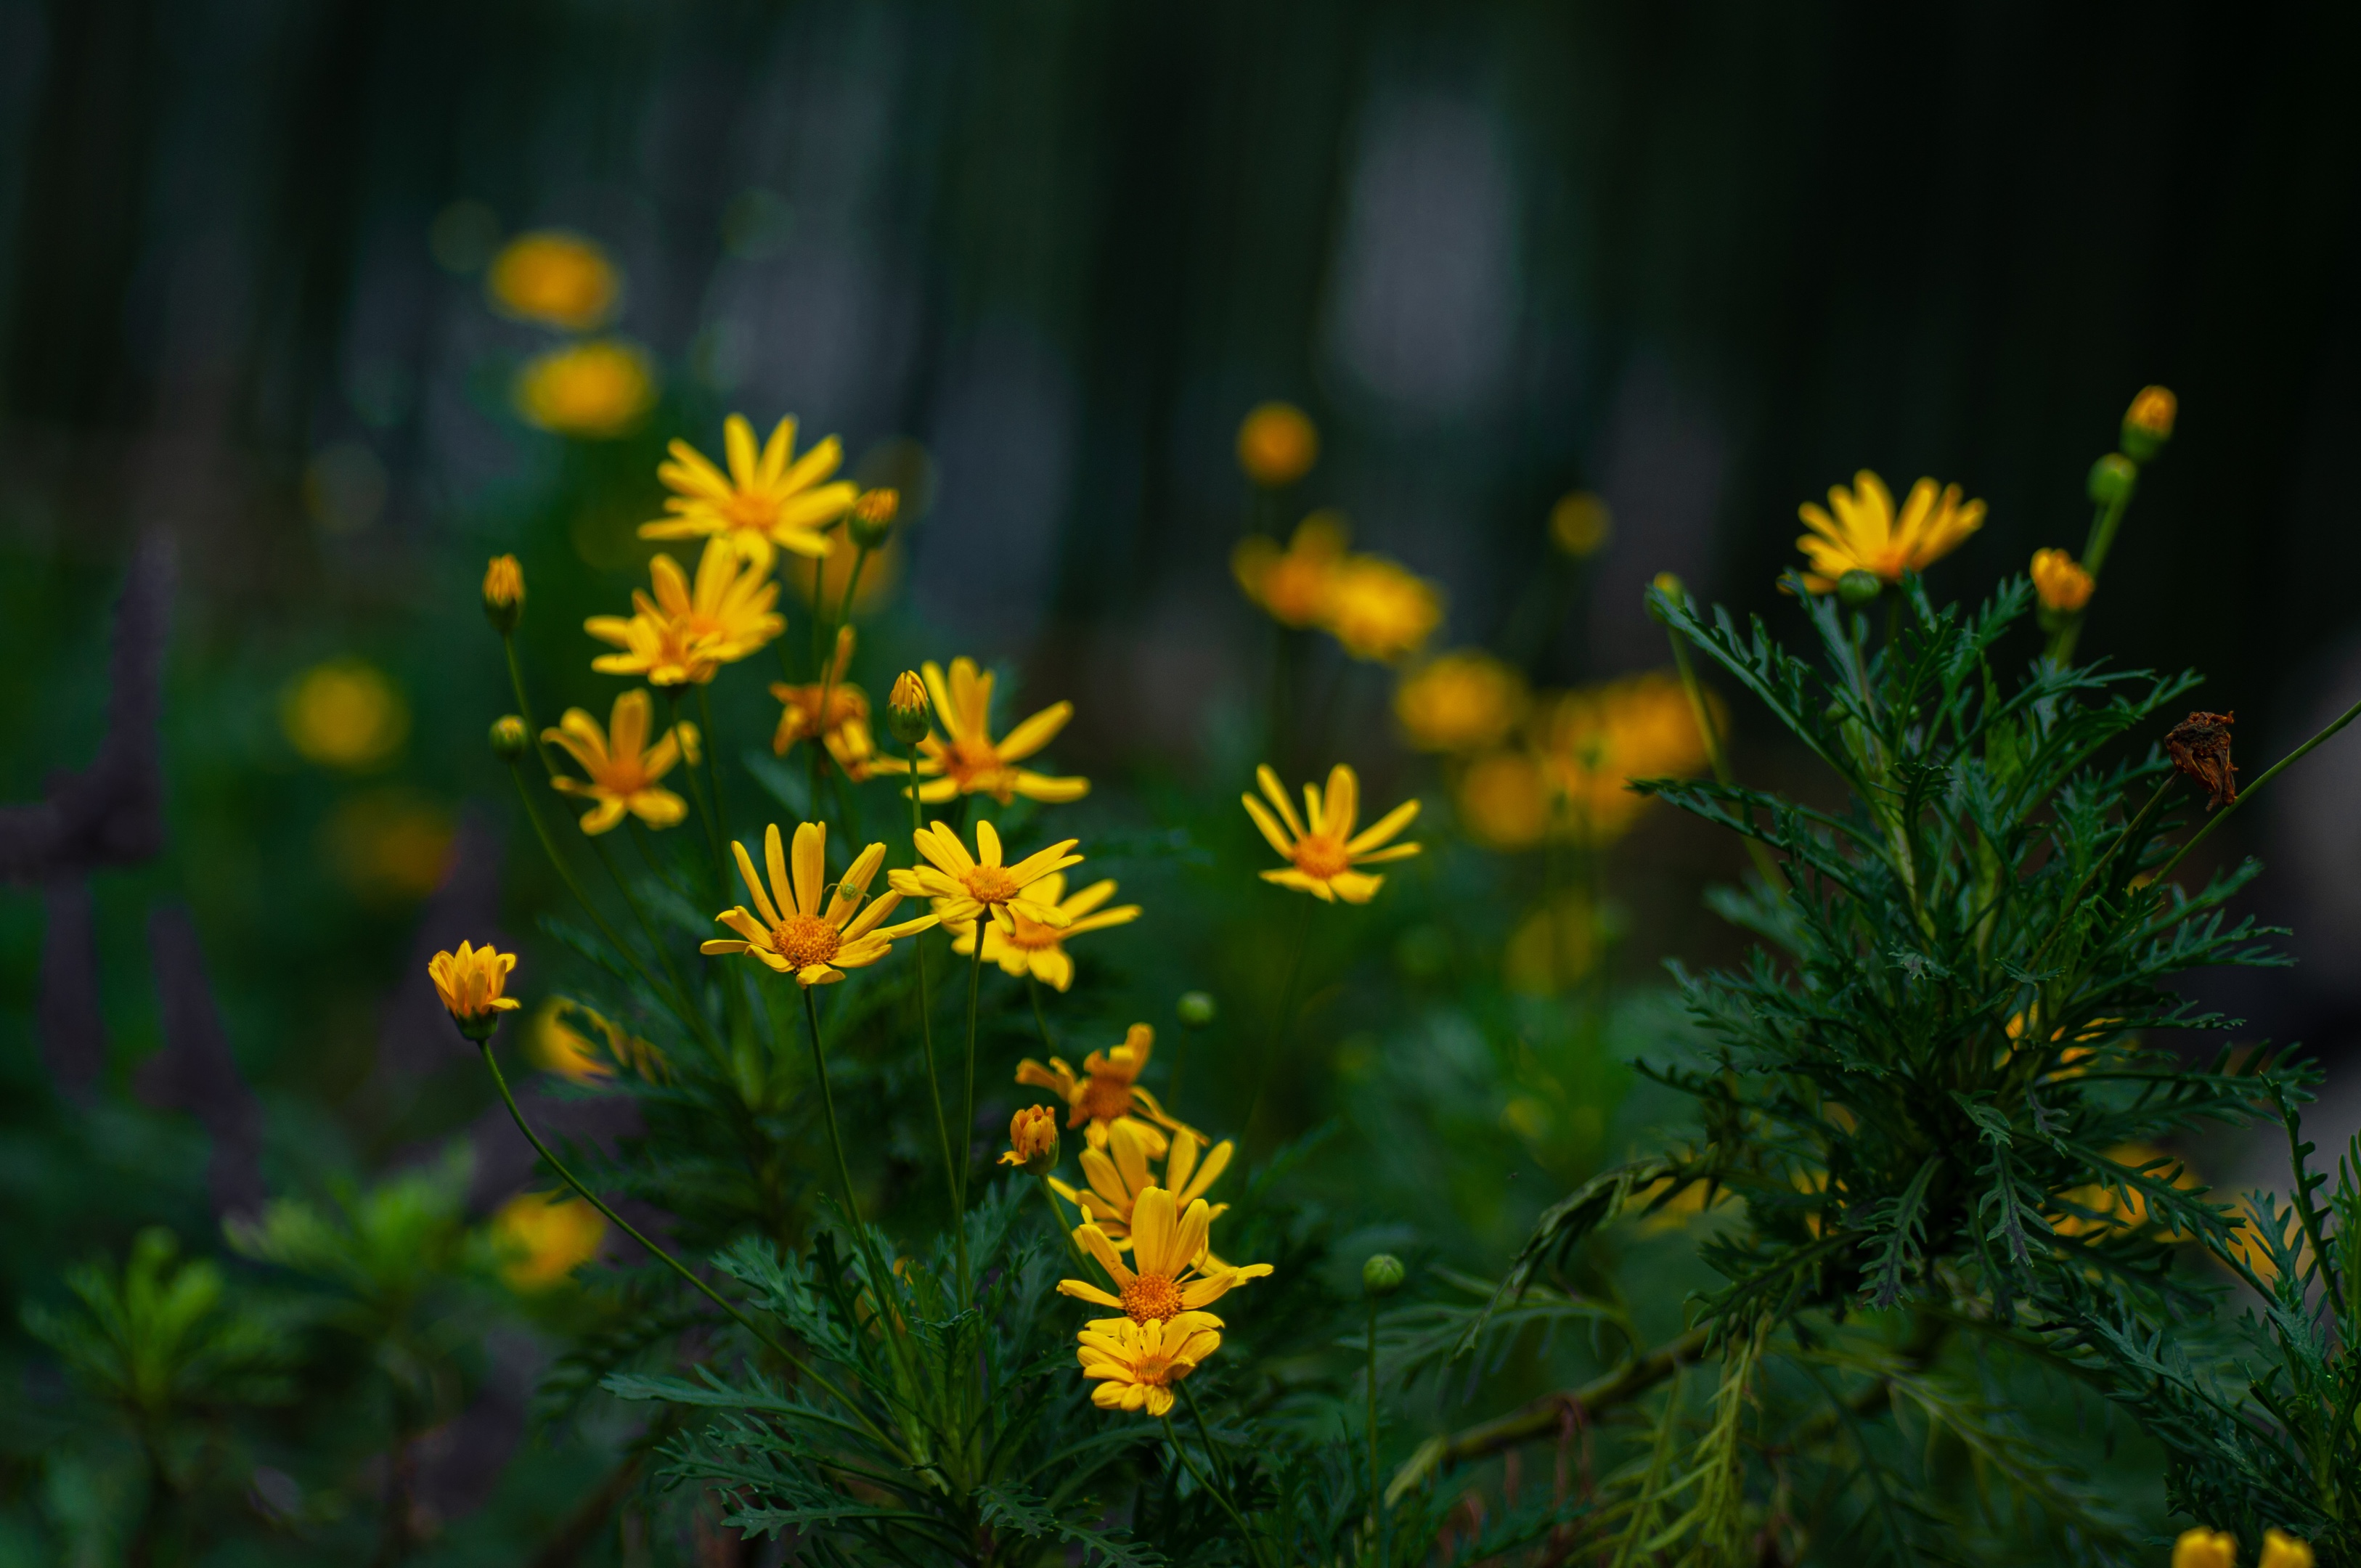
<point>1105,1098</point>
<point>963,760</point>
<point>750,509</point>
<point>1156,1371</point>
<point>991,884</point>
<point>805,940</point>
<point>1320,856</point>
<point>1030,935</point>
<point>1151,1298</point>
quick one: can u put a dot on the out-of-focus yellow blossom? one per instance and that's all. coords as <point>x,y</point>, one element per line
<point>1463,701</point>
<point>806,928</point>
<point>543,1237</point>
<point>2281,1549</point>
<point>1865,533</point>
<point>503,593</point>
<point>344,714</point>
<point>1136,1364</point>
<point>2060,581</point>
<point>1503,800</point>
<point>1027,947</point>
<point>964,887</point>
<point>554,1045</point>
<point>555,277</point>
<point>2152,412</point>
<point>2202,1548</point>
<point>1169,1272</point>
<point>1581,525</point>
<point>1033,1140</point>
<point>596,390</point>
<point>470,983</point>
<point>1106,1091</point>
<point>880,573</point>
<point>1292,585</point>
<point>1277,444</point>
<point>1119,1173</point>
<point>390,843</point>
<point>622,767</point>
<point>1591,744</point>
<point>2118,1210</point>
<point>769,500</point>
<point>684,634</point>
<point>1380,611</point>
<point>810,711</point>
<point>1322,850</point>
<point>966,760</point>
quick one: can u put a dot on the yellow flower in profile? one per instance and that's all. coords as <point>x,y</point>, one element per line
<point>1292,585</point>
<point>804,929</point>
<point>1107,1091</point>
<point>555,277</point>
<point>596,390</point>
<point>964,886</point>
<point>1136,1364</point>
<point>470,983</point>
<point>344,714</point>
<point>2281,1549</point>
<point>1321,847</point>
<point>770,500</point>
<point>966,760</point>
<point>1465,701</point>
<point>1581,525</point>
<point>1029,946</point>
<point>812,710</point>
<point>1168,1274</point>
<point>1380,611</point>
<point>1033,1141</point>
<point>555,1045</point>
<point>543,1237</point>
<point>2202,1548</point>
<point>2060,581</point>
<point>622,766</point>
<point>1591,743</point>
<point>1119,1173</point>
<point>686,634</point>
<point>503,593</point>
<point>1865,534</point>
<point>1277,444</point>
<point>1504,801</point>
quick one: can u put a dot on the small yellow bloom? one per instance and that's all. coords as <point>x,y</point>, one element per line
<point>1504,801</point>
<point>1029,946</point>
<point>555,277</point>
<point>469,982</point>
<point>964,886</point>
<point>814,710</point>
<point>1169,1273</point>
<point>1032,1140</point>
<point>1866,535</point>
<point>622,766</point>
<point>545,1237</point>
<point>1581,525</point>
<point>798,934</point>
<point>596,390</point>
<point>1292,585</point>
<point>1119,1173</point>
<point>2281,1549</point>
<point>685,635</point>
<point>1465,701</point>
<point>1321,847</point>
<point>2060,581</point>
<point>2152,412</point>
<point>770,500</point>
<point>1136,1364</point>
<point>1276,444</point>
<point>1107,1091</point>
<point>1591,743</point>
<point>503,593</point>
<point>2202,1548</point>
<point>966,760</point>
<point>1380,611</point>
<point>344,714</point>
<point>872,516</point>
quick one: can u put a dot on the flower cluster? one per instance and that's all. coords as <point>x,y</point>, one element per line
<point>593,388</point>
<point>1377,609</point>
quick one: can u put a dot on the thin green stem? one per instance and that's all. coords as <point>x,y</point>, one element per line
<point>1218,1492</point>
<point>1377,1487</point>
<point>1715,753</point>
<point>713,750</point>
<point>926,1035</point>
<point>2104,524</point>
<point>2339,722</point>
<point>967,1122</point>
<point>1040,1023</point>
<point>1058,1224</point>
<point>525,703</point>
<point>1285,1016</point>
<point>704,809</point>
<point>632,902</point>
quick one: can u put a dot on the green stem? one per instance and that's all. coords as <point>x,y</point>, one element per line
<point>1058,1224</point>
<point>1376,1490</point>
<point>967,1125</point>
<point>525,703</point>
<point>1033,987</point>
<point>2104,524</point>
<point>2255,788</point>
<point>712,749</point>
<point>1285,1016</point>
<point>927,1035</point>
<point>632,902</point>
<point>704,809</point>
<point>1219,1494</point>
<point>1764,866</point>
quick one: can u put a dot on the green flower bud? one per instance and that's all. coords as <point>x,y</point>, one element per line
<point>1382,1274</point>
<point>509,741</point>
<point>1859,590</point>
<point>1196,1008</point>
<point>907,712</point>
<point>2113,479</point>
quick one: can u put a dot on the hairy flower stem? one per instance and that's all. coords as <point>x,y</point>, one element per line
<point>2339,722</point>
<point>1280,1022</point>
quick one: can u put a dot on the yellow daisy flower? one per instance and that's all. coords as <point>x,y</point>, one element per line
<point>1107,1091</point>
<point>555,277</point>
<point>1118,1174</point>
<point>1380,611</point>
<point>1322,855</point>
<point>1592,742</point>
<point>769,500</point>
<point>964,886</point>
<point>795,934</point>
<point>1463,701</point>
<point>2060,581</point>
<point>623,768</point>
<point>1866,535</point>
<point>596,390</point>
<point>686,634</point>
<point>2280,1549</point>
<point>801,715</point>
<point>1292,585</point>
<point>543,1238</point>
<point>469,982</point>
<point>1167,1274</point>
<point>2202,1548</point>
<point>966,760</point>
<point>1277,444</point>
<point>1029,946</point>
<point>1136,1364</point>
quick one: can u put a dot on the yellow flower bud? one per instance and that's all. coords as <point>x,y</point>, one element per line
<point>1581,525</point>
<point>2202,1548</point>
<point>906,709</point>
<point>503,593</point>
<point>2113,479</point>
<point>1033,1140</point>
<point>1276,444</point>
<point>2147,423</point>
<point>873,518</point>
<point>2062,584</point>
<point>510,738</point>
<point>470,983</point>
<point>2280,1549</point>
<point>692,742</point>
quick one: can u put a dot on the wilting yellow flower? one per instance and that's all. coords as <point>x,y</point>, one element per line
<point>555,277</point>
<point>344,714</point>
<point>1380,611</point>
<point>810,711</point>
<point>2280,1549</point>
<point>469,982</point>
<point>2152,413</point>
<point>1590,744</point>
<point>1168,1274</point>
<point>2060,581</point>
<point>795,934</point>
<point>1136,1364</point>
<point>543,1237</point>
<point>503,593</point>
<point>2124,1210</point>
<point>964,886</point>
<point>1029,946</point>
<point>1277,444</point>
<point>1118,1174</point>
<point>1504,801</point>
<point>596,390</point>
<point>1321,847</point>
<point>769,500</point>
<point>1292,585</point>
<point>1107,1091</point>
<point>1463,701</point>
<point>685,635</point>
<point>1581,524</point>
<point>966,760</point>
<point>1865,534</point>
<point>2202,1548</point>
<point>1032,1140</point>
<point>622,766</point>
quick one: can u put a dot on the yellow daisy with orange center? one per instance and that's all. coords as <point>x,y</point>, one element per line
<point>769,500</point>
<point>1106,1091</point>
<point>1169,1271</point>
<point>622,767</point>
<point>965,886</point>
<point>1321,847</point>
<point>802,926</point>
<point>966,760</point>
<point>1029,947</point>
<point>686,632</point>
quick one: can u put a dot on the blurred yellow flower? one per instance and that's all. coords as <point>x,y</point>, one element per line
<point>1503,800</point>
<point>685,635</point>
<point>1136,1364</point>
<point>1277,444</point>
<point>1581,524</point>
<point>503,593</point>
<point>554,1045</point>
<point>622,767</point>
<point>1168,1274</point>
<point>966,760</point>
<point>2281,1549</point>
<point>1380,611</point>
<point>2118,1210</point>
<point>390,843</point>
<point>555,277</point>
<point>2060,581</point>
<point>543,1237</point>
<point>2202,1548</point>
<point>806,929</point>
<point>470,981</point>
<point>344,714</point>
<point>1866,535</point>
<point>2153,412</point>
<point>1292,585</point>
<point>1117,1174</point>
<point>854,749</point>
<point>1029,946</point>
<point>812,711</point>
<point>1032,1140</point>
<point>1463,701</point>
<point>1321,847</point>
<point>769,500</point>
<point>1106,1091</point>
<point>1591,744</point>
<point>964,886</point>
<point>596,390</point>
